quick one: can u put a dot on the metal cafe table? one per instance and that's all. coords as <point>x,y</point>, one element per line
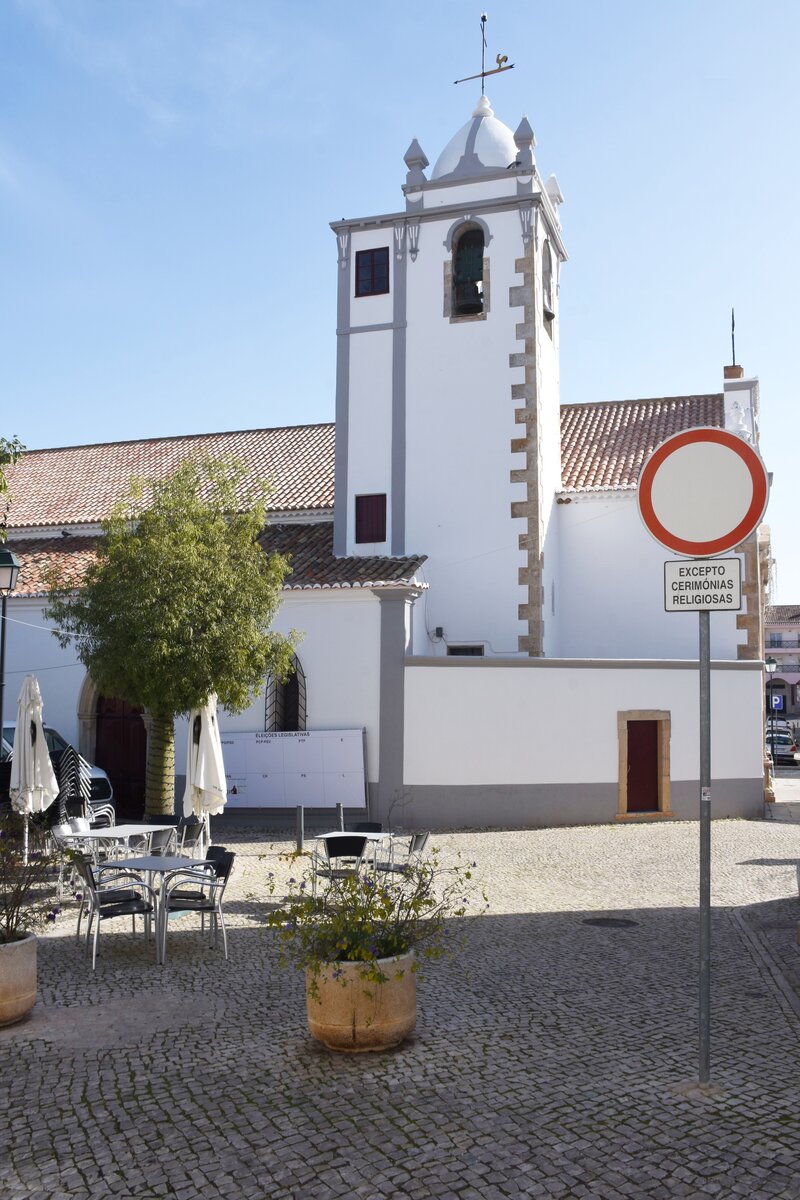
<point>156,865</point>
<point>115,833</point>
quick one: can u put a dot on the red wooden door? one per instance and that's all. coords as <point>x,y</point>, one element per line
<point>642,766</point>
<point>121,750</point>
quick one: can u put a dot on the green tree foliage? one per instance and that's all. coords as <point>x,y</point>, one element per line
<point>178,605</point>
<point>9,453</point>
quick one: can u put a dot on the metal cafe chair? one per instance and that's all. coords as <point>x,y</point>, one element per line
<point>190,837</point>
<point>342,856</point>
<point>110,893</point>
<point>197,889</point>
<point>163,841</point>
<point>403,855</point>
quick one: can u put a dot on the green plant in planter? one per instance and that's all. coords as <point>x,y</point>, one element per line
<point>366,918</point>
<point>27,889</point>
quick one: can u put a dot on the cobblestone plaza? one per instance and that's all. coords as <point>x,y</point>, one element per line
<point>552,1058</point>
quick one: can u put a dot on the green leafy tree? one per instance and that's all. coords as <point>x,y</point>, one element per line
<point>178,605</point>
<point>9,453</point>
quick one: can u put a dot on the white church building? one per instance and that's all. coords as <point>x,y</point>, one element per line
<point>471,576</point>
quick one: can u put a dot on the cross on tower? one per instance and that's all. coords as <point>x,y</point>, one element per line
<point>502,61</point>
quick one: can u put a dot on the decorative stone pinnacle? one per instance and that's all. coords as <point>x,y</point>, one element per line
<point>525,141</point>
<point>416,160</point>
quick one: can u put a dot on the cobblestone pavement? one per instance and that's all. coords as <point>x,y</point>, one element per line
<point>552,1059</point>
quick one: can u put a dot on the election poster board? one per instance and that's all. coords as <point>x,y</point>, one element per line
<point>317,768</point>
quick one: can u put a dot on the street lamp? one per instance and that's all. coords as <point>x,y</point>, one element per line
<point>9,570</point>
<point>771,666</point>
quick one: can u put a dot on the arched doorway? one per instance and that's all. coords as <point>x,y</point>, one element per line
<point>121,750</point>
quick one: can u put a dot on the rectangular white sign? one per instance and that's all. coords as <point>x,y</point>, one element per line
<point>703,584</point>
<point>318,768</point>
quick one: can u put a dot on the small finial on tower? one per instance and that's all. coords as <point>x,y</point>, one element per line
<point>502,61</point>
<point>416,161</point>
<point>525,141</point>
<point>733,371</point>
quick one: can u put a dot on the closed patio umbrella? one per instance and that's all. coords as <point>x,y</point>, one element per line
<point>33,786</point>
<point>206,789</point>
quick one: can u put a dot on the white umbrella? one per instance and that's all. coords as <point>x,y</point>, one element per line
<point>33,786</point>
<point>206,789</point>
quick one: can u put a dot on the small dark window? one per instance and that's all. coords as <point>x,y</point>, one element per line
<point>468,273</point>
<point>466,651</point>
<point>372,271</point>
<point>371,518</point>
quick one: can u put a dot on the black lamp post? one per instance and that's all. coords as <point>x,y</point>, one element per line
<point>771,666</point>
<point>9,570</point>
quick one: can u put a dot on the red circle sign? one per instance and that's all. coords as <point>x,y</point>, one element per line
<point>702,492</point>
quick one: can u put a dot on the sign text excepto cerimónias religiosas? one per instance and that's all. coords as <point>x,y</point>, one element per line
<point>709,584</point>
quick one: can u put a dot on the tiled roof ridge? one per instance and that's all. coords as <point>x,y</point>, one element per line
<point>214,433</point>
<point>604,443</point>
<point>80,484</point>
<point>180,437</point>
<point>643,400</point>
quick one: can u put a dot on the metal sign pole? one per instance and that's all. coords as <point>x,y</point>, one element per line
<point>705,848</point>
<point>701,492</point>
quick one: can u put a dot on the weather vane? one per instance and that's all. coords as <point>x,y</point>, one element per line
<point>502,61</point>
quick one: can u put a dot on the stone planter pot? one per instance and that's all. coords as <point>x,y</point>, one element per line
<point>17,978</point>
<point>353,1014</point>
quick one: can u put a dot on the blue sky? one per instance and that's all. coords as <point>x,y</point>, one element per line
<point>168,169</point>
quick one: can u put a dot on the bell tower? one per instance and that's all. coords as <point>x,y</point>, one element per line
<point>448,422</point>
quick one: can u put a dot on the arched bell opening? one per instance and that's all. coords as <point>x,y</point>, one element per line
<point>468,250</point>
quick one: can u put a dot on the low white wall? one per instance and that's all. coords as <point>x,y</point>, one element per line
<point>553,723</point>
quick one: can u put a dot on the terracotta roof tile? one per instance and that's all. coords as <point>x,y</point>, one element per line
<point>38,556</point>
<point>78,485</point>
<point>310,548</point>
<point>604,445</point>
<point>782,614</point>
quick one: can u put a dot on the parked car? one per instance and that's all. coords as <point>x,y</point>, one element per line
<point>101,790</point>
<point>781,747</point>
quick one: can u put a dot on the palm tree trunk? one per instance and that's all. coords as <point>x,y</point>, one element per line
<point>159,794</point>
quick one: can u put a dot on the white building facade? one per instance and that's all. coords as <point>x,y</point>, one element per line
<point>472,579</point>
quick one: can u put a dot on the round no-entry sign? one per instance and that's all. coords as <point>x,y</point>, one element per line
<point>702,492</point>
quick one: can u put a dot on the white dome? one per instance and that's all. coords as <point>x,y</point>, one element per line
<point>483,144</point>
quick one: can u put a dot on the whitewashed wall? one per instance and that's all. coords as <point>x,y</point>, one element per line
<point>459,428</point>
<point>370,424</point>
<point>610,589</point>
<point>551,582</point>
<point>340,657</point>
<point>339,653</point>
<point>493,724</point>
<point>32,649</point>
<point>537,743</point>
<point>371,310</point>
